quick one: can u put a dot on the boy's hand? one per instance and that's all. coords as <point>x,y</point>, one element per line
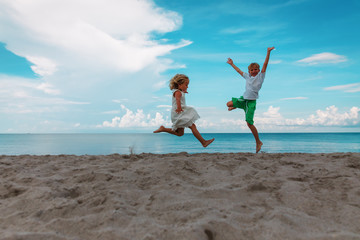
<point>230,61</point>
<point>270,49</point>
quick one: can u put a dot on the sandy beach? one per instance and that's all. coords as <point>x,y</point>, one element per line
<point>222,196</point>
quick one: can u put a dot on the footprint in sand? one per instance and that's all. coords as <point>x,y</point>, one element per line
<point>209,234</point>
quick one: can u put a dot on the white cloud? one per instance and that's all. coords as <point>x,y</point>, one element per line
<point>275,61</point>
<point>136,119</point>
<point>159,85</point>
<point>42,66</point>
<point>112,112</point>
<point>113,33</point>
<point>19,95</point>
<point>353,87</point>
<point>271,120</point>
<point>294,98</point>
<point>204,124</point>
<point>164,106</point>
<point>48,88</point>
<point>330,117</point>
<point>235,30</point>
<point>120,100</point>
<point>273,112</point>
<point>252,29</point>
<point>94,42</point>
<point>325,57</point>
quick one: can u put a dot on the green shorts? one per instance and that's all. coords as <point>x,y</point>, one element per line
<point>249,107</point>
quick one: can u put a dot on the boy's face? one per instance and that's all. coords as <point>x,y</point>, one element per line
<point>254,71</point>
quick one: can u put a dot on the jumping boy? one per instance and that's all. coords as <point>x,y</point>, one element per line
<point>254,80</point>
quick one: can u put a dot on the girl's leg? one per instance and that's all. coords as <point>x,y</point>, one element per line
<point>256,136</point>
<point>196,133</point>
<point>179,132</point>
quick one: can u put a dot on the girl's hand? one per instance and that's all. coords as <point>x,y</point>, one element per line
<point>178,110</point>
<point>230,61</point>
<point>270,49</point>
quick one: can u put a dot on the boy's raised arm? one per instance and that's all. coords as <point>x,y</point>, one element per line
<point>267,59</point>
<point>230,61</point>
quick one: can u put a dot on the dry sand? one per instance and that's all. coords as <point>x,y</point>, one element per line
<point>180,196</point>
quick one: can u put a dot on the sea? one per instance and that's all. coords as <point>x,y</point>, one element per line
<point>161,143</point>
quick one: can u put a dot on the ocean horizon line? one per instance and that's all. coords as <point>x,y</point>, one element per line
<point>108,143</point>
<point>188,133</point>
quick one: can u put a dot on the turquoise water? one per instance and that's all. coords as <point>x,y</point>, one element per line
<point>103,144</point>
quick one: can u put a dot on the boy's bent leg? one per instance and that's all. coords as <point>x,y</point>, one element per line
<point>256,136</point>
<point>196,133</point>
<point>230,105</point>
<point>236,103</point>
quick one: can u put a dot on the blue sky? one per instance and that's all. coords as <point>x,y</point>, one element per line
<point>104,66</point>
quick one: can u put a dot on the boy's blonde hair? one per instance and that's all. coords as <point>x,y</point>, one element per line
<point>177,80</point>
<point>253,65</point>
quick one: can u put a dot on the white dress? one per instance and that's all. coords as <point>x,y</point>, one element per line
<point>187,117</point>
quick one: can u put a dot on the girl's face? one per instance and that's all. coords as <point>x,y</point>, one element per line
<point>184,86</point>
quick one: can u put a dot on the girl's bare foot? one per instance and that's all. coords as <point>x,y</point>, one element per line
<point>231,108</point>
<point>258,147</point>
<point>208,142</point>
<point>161,129</point>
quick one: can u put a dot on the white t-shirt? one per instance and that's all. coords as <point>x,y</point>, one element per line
<point>253,85</point>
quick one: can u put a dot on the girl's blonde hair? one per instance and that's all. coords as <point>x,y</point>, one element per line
<point>177,80</point>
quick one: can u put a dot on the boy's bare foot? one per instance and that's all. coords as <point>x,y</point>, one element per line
<point>208,142</point>
<point>161,129</point>
<point>258,147</point>
<point>231,108</point>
